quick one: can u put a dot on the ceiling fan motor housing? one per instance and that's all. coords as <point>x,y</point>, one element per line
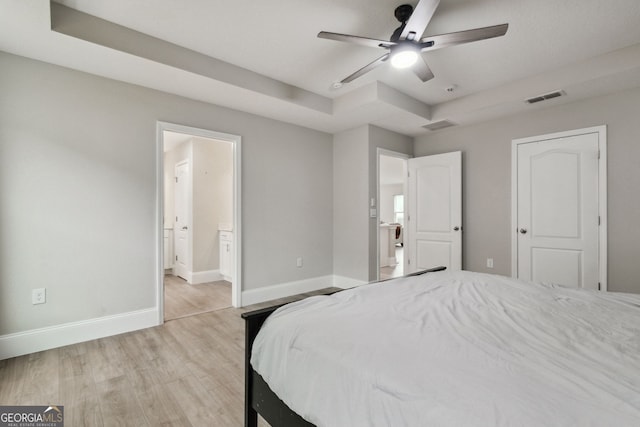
<point>402,14</point>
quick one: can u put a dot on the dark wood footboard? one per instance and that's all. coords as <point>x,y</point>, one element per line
<point>259,398</point>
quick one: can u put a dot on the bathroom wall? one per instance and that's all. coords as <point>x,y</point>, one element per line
<point>212,195</point>
<point>212,199</point>
<point>386,200</point>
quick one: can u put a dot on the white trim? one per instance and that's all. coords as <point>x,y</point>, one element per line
<point>282,290</point>
<point>602,206</point>
<point>35,340</point>
<point>602,194</point>
<point>159,279</point>
<point>347,282</point>
<point>236,142</point>
<point>198,277</point>
<point>388,153</point>
<point>236,283</point>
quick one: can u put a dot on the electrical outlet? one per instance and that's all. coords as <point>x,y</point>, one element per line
<point>299,262</point>
<point>39,296</point>
<point>489,262</point>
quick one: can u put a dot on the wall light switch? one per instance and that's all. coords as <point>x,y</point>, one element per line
<point>299,262</point>
<point>373,202</point>
<point>489,262</point>
<point>373,212</point>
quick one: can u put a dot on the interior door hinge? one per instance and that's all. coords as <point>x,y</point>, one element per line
<point>176,257</point>
<point>598,154</point>
<point>176,179</point>
<point>409,262</point>
<point>599,220</point>
<point>598,285</point>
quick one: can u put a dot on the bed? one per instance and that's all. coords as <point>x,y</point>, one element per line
<point>447,349</point>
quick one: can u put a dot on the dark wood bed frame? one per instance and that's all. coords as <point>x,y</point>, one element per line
<point>258,397</point>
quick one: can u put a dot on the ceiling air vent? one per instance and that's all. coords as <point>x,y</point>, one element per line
<point>439,125</point>
<point>544,97</point>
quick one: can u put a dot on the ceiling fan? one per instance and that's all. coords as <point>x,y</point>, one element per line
<point>406,44</point>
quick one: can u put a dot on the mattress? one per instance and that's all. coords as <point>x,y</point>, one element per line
<point>456,349</point>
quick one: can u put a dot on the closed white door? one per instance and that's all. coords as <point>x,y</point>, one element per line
<point>557,230</point>
<point>182,199</point>
<point>434,206</point>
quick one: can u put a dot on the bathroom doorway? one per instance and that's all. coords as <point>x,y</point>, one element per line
<point>392,170</point>
<point>199,220</point>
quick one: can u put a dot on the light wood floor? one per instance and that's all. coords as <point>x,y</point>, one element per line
<point>187,372</point>
<point>182,299</point>
<point>396,270</point>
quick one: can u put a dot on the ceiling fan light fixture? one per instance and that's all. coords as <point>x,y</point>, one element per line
<point>407,43</point>
<point>404,56</point>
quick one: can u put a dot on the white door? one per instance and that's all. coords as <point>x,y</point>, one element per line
<point>557,218</point>
<point>434,206</point>
<point>181,227</point>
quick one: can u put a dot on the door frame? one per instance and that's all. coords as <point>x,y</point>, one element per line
<point>236,143</point>
<point>388,153</point>
<point>602,194</point>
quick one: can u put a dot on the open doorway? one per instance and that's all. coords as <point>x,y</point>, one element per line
<point>200,225</point>
<point>392,170</point>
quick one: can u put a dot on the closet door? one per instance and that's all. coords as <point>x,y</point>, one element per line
<point>557,218</point>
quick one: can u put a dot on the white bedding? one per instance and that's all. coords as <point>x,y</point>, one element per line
<point>456,349</point>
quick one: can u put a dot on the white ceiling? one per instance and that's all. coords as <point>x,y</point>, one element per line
<point>263,57</point>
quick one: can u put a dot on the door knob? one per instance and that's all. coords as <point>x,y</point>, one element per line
<point>523,231</point>
<point>185,228</point>
<point>456,228</point>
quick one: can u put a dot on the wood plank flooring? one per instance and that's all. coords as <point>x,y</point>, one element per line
<point>187,372</point>
<point>391,272</point>
<point>182,299</point>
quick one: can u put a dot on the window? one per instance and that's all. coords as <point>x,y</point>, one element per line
<point>398,209</point>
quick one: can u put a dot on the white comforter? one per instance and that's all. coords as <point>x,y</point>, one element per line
<point>456,349</point>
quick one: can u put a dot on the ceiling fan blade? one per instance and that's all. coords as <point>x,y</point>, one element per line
<point>422,70</point>
<point>365,69</point>
<point>417,23</point>
<point>355,39</point>
<point>460,37</point>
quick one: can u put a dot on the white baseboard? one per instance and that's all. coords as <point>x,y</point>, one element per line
<point>35,340</point>
<point>12,345</point>
<point>347,282</point>
<point>268,293</point>
<point>198,277</point>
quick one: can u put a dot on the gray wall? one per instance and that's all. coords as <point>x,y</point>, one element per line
<point>78,211</point>
<point>355,153</point>
<point>486,160</point>
<point>381,138</point>
<point>350,204</point>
